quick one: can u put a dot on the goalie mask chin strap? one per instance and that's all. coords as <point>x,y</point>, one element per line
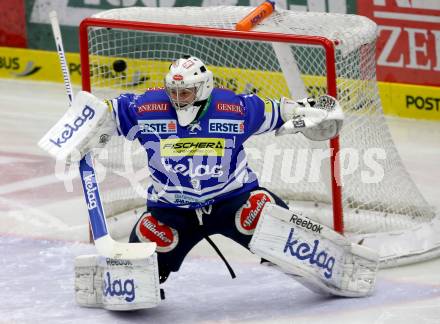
<point>199,213</point>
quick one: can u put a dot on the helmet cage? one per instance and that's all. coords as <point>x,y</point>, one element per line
<point>185,74</point>
<point>179,94</point>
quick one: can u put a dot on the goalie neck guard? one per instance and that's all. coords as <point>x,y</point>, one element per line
<point>188,85</point>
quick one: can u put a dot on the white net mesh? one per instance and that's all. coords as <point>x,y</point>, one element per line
<point>378,194</point>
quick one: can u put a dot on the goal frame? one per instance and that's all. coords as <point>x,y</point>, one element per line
<point>327,44</point>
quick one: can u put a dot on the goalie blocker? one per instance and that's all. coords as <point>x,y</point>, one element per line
<point>315,255</point>
<point>88,124</point>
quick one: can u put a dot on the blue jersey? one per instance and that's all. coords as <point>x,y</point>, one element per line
<point>204,162</point>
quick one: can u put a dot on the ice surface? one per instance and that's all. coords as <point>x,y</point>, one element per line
<point>41,224</point>
<point>37,285</point>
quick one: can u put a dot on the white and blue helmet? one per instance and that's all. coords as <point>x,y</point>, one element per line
<point>188,84</point>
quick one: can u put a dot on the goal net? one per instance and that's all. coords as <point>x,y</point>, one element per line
<point>130,49</point>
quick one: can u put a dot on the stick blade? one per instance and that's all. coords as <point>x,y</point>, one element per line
<point>110,248</point>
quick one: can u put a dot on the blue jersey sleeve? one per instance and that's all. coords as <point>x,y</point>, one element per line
<point>261,116</point>
<point>124,112</point>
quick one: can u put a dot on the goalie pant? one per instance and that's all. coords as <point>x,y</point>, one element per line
<point>177,230</point>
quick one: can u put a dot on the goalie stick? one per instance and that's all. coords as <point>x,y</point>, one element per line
<point>105,245</point>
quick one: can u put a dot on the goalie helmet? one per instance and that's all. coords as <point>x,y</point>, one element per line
<point>188,85</point>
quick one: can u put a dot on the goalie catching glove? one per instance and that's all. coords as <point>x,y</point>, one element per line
<point>87,124</point>
<point>317,119</point>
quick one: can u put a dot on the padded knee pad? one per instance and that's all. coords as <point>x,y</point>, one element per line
<point>149,229</point>
<point>247,216</point>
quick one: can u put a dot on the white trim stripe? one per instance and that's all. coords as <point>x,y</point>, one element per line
<point>275,113</point>
<point>267,124</point>
<point>114,103</point>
